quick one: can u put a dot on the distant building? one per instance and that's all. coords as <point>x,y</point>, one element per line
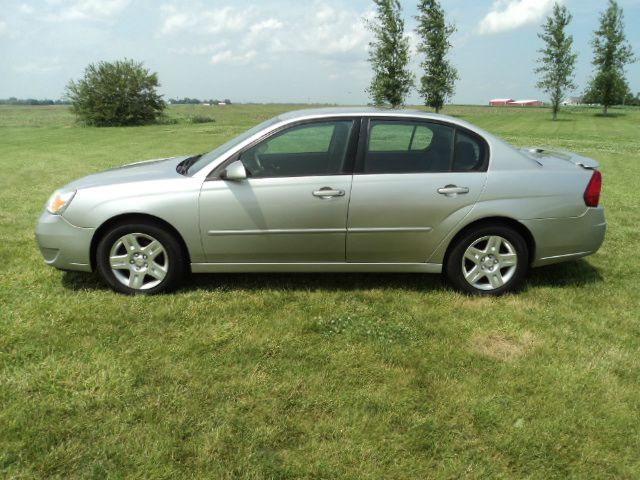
<point>573,101</point>
<point>496,102</point>
<point>526,103</point>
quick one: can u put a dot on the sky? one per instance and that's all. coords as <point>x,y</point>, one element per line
<point>294,51</point>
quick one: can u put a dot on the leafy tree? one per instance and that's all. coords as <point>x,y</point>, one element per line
<point>116,94</point>
<point>622,96</point>
<point>611,52</point>
<point>438,82</point>
<point>389,55</point>
<point>557,61</point>
<point>631,100</point>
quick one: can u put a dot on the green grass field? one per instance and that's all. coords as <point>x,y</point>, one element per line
<point>314,376</point>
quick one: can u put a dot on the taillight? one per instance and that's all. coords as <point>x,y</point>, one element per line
<point>592,193</point>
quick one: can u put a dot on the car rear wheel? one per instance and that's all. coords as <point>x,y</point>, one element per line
<point>489,260</point>
<point>140,259</point>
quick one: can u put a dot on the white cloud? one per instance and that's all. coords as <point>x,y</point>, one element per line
<point>327,32</point>
<point>270,24</point>
<point>512,14</point>
<point>26,9</point>
<point>225,19</point>
<point>324,35</point>
<point>89,9</point>
<point>3,27</point>
<point>229,57</point>
<point>176,21</point>
<point>197,51</point>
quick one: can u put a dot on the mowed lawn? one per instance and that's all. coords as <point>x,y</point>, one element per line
<point>314,376</point>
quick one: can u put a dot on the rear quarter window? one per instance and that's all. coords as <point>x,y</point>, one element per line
<point>470,153</point>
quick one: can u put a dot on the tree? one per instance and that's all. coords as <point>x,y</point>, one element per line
<point>631,100</point>
<point>611,52</point>
<point>557,61</point>
<point>389,55</point>
<point>621,95</point>
<point>438,82</point>
<point>116,94</point>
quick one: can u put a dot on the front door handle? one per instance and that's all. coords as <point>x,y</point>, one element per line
<point>452,190</point>
<point>328,192</point>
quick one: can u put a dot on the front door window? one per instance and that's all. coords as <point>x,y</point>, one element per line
<point>317,149</point>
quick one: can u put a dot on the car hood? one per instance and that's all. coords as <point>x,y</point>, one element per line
<point>158,169</point>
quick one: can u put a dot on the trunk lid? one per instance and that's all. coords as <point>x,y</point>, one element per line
<point>556,158</point>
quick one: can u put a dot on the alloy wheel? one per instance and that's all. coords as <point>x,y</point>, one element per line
<point>489,263</point>
<point>139,261</point>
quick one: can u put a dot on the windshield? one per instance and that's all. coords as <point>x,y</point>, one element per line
<point>207,158</point>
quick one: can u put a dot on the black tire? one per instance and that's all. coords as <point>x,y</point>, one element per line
<point>490,267</point>
<point>168,264</point>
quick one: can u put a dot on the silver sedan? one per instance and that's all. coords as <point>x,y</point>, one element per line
<point>333,190</point>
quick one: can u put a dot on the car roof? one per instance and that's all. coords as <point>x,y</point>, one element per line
<point>370,112</point>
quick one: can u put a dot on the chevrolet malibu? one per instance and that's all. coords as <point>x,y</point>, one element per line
<point>333,190</point>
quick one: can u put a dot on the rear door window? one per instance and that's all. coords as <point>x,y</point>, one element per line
<point>408,147</point>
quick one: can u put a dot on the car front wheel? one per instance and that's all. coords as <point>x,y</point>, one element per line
<point>488,261</point>
<point>140,259</point>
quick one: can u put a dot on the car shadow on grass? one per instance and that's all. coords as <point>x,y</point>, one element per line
<point>571,274</point>
<point>314,281</point>
<point>578,273</point>
<point>79,281</point>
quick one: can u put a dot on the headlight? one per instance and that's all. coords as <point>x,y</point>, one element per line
<point>59,201</point>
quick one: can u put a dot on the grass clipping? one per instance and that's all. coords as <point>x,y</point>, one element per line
<point>502,347</point>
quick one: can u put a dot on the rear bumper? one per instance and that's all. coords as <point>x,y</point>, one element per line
<point>64,246</point>
<point>563,239</point>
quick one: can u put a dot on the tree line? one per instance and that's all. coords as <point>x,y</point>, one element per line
<point>31,101</point>
<point>197,101</point>
<point>389,56</point>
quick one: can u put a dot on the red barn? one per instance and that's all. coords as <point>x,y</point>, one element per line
<point>500,101</point>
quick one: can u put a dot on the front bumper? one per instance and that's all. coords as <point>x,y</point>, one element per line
<point>63,245</point>
<point>562,239</point>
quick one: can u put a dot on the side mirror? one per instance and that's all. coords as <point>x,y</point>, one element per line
<point>235,172</point>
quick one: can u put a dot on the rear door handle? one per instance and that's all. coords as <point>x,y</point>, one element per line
<point>328,192</point>
<point>451,190</point>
